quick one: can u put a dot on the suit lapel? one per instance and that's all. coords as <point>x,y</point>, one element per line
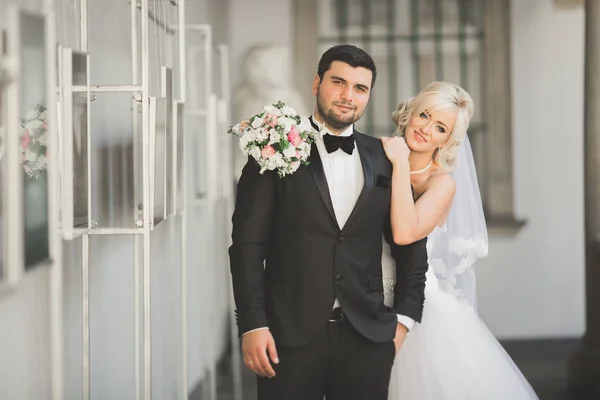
<point>366,159</point>
<point>316,168</point>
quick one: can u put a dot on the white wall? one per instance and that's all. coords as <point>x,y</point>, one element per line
<point>25,323</point>
<point>532,285</point>
<point>254,23</point>
<point>24,315</point>
<point>24,340</point>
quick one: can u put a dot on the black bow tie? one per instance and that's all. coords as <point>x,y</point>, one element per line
<point>333,143</point>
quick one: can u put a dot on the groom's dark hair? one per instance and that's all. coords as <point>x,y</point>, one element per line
<point>349,54</point>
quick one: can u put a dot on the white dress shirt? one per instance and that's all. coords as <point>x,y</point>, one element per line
<point>345,179</point>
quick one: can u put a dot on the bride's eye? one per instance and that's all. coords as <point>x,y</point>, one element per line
<point>424,115</point>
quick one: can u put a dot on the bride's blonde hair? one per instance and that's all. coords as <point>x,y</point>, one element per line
<point>439,96</point>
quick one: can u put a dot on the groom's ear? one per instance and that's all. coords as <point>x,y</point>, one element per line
<point>316,84</point>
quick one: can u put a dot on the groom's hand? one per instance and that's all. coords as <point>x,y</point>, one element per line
<point>401,333</point>
<point>255,346</point>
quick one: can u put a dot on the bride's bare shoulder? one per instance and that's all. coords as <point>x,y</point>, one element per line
<point>441,181</point>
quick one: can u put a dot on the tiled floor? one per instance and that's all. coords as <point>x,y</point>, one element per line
<point>544,363</point>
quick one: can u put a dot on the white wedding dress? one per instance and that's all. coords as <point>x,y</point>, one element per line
<point>451,355</point>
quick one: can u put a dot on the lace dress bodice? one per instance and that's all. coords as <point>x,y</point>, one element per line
<point>389,268</point>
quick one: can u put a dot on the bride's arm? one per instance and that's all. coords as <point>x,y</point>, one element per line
<point>410,220</point>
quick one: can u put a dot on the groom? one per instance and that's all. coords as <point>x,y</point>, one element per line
<point>312,317</point>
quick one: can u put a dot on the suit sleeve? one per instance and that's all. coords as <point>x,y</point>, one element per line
<point>252,226</point>
<point>411,267</point>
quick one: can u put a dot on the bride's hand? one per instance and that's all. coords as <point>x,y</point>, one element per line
<point>396,149</point>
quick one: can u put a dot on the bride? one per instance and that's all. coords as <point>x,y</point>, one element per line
<point>451,355</point>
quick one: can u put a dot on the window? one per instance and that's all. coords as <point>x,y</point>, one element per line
<point>414,42</point>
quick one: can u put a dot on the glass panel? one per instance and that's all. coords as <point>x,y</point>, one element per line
<point>113,179</point>
<point>413,42</point>
<point>68,22</point>
<point>162,42</point>
<point>167,93</point>
<point>2,169</point>
<point>34,125</point>
<point>159,144</point>
<point>178,130</point>
<point>80,143</point>
<point>404,73</point>
<point>106,40</point>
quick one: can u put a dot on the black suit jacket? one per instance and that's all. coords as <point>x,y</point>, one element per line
<point>290,260</point>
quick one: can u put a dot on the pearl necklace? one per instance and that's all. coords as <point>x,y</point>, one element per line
<point>424,169</point>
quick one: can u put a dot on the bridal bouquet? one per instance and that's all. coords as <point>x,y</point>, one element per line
<point>33,142</point>
<point>277,138</point>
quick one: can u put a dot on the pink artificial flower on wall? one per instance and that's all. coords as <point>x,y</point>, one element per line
<point>25,140</point>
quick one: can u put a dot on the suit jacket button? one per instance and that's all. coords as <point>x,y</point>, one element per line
<point>338,277</point>
<point>341,239</point>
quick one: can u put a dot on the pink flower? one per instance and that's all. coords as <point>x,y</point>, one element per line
<point>25,140</point>
<point>270,120</point>
<point>267,152</point>
<point>244,125</point>
<point>294,137</point>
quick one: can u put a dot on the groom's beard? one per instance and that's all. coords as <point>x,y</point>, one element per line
<point>332,119</point>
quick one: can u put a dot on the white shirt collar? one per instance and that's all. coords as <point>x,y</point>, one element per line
<point>323,130</point>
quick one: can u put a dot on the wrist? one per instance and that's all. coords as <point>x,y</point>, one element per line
<point>401,164</point>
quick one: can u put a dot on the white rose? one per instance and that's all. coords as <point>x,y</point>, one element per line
<point>42,140</point>
<point>277,160</point>
<point>286,123</point>
<point>294,166</point>
<point>245,141</point>
<point>254,152</point>
<point>242,145</point>
<point>271,109</point>
<point>236,130</point>
<point>41,163</point>
<point>305,148</point>
<point>36,128</point>
<point>261,134</point>
<point>264,165</point>
<point>287,110</point>
<point>289,152</point>
<point>30,155</point>
<point>257,123</point>
<point>274,137</point>
<point>250,135</point>
<point>304,125</point>
<point>32,115</point>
